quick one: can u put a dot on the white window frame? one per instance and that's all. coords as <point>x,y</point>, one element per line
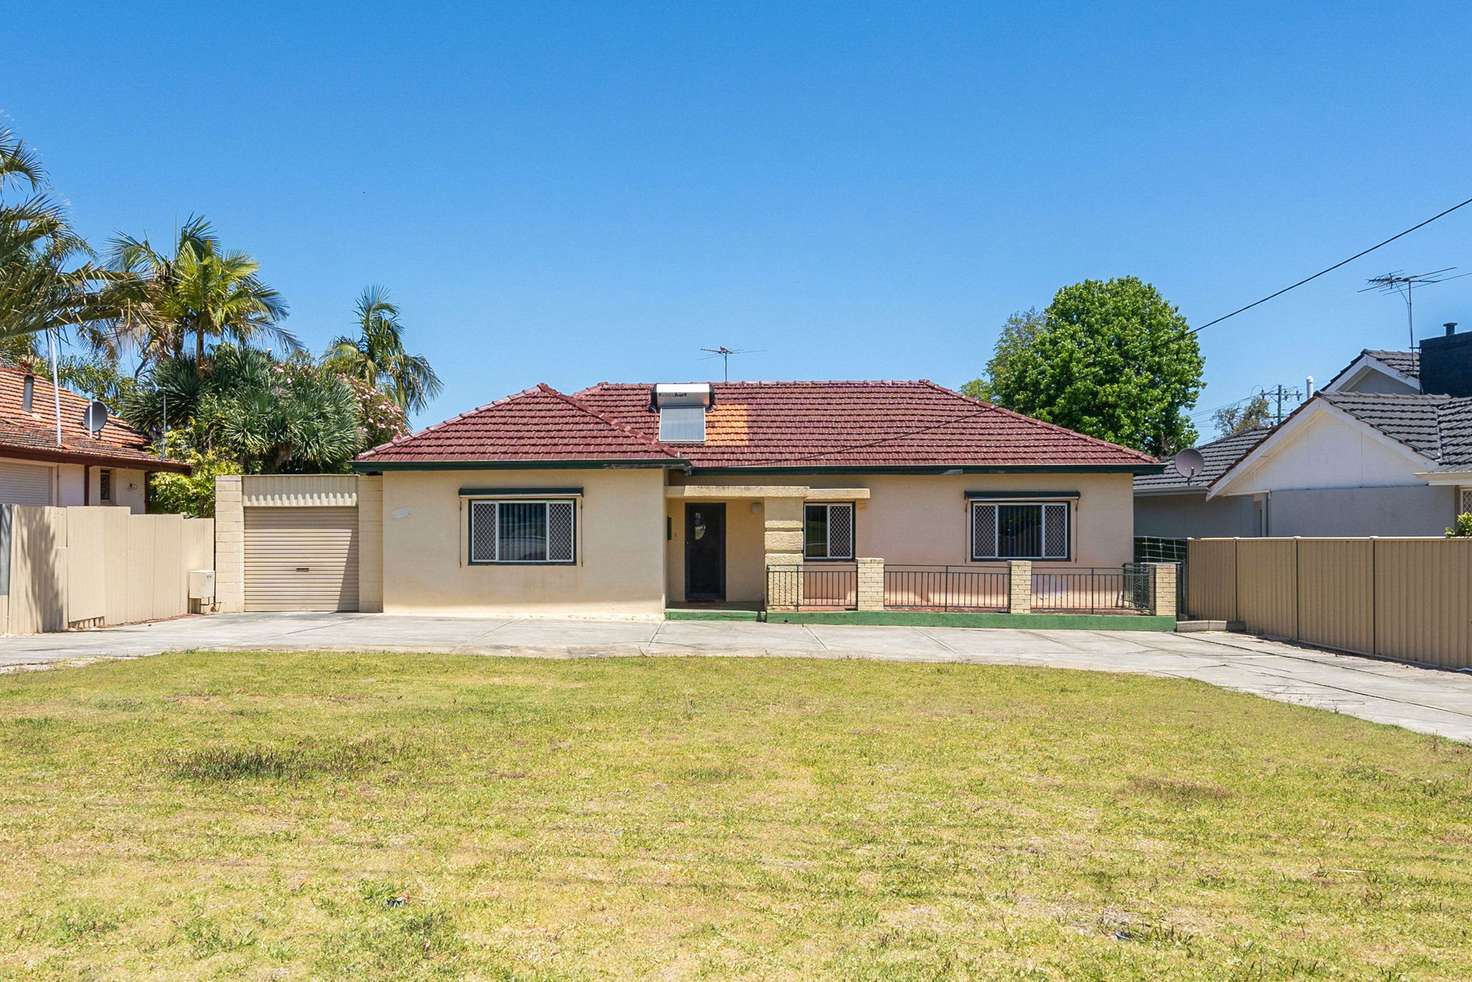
<point>498,504</point>
<point>1042,506</point>
<point>853,531</point>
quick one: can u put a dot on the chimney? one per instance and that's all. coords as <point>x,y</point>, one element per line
<point>1446,363</point>
<point>27,392</point>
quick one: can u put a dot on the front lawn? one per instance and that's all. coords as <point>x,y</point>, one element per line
<point>310,815</point>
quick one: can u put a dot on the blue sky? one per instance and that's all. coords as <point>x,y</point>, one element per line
<point>575,192</point>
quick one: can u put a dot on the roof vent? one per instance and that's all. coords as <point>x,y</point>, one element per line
<point>682,411</point>
<point>27,392</point>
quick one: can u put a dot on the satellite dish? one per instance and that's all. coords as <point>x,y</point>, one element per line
<point>1188,463</point>
<point>96,417</point>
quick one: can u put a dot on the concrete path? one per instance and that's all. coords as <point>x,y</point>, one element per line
<point>1419,699</point>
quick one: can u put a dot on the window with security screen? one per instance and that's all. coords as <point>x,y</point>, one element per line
<point>1019,530</point>
<point>516,532</point>
<point>828,531</point>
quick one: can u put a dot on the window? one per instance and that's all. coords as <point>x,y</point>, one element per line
<point>828,532</point>
<point>682,424</point>
<point>104,484</point>
<point>522,532</point>
<point>1019,531</point>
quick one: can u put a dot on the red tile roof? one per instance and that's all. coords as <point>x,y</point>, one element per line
<point>32,435</point>
<point>538,425</point>
<point>763,424</point>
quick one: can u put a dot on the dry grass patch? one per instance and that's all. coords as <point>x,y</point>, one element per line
<point>398,815</point>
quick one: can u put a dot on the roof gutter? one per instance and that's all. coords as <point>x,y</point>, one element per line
<point>62,456</point>
<point>943,469</point>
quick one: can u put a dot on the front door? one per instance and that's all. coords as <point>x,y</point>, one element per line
<point>705,551</point>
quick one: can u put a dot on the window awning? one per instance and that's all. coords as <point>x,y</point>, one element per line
<point>1022,495</point>
<point>521,492</point>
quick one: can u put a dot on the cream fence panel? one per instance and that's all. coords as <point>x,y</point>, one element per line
<point>1336,593</point>
<point>93,566</point>
<point>1422,602</point>
<point>1211,586</point>
<point>1267,592</point>
<point>1408,599</point>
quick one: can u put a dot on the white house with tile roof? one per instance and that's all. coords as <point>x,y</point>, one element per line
<point>1361,459</point>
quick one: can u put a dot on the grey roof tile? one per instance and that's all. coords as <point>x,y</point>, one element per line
<point>1218,456</point>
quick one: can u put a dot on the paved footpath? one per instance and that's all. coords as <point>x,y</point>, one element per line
<point>1420,699</point>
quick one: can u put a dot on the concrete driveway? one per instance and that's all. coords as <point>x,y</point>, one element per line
<point>1419,699</point>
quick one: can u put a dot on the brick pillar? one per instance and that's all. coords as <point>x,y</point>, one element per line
<point>782,545</point>
<point>229,544</point>
<point>1019,586</point>
<point>1163,588</point>
<point>871,584</point>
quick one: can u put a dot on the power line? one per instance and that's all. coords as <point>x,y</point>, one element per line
<point>1342,262</point>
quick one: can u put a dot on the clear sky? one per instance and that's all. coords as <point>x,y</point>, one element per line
<point>575,192</point>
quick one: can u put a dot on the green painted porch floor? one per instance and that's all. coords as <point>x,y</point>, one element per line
<point>930,618</point>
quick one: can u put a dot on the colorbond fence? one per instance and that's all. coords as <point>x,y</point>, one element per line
<point>1409,599</point>
<point>95,566</point>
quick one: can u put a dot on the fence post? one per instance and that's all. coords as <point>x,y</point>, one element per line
<point>871,584</point>
<point>229,543</point>
<point>1162,588</point>
<point>1019,586</point>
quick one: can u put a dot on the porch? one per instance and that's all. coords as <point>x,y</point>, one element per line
<point>720,540</point>
<point>1013,587</point>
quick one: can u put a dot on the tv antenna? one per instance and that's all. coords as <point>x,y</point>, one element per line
<point>724,353</point>
<point>1405,284</point>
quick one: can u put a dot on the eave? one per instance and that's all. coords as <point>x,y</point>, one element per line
<point>61,455</point>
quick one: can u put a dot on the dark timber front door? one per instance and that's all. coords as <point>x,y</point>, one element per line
<point>705,551</point>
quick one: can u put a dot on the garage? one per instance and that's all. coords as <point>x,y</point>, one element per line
<point>25,484</point>
<point>301,558</point>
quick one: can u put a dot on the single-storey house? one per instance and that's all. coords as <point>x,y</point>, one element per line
<point>1364,458</point>
<point>1169,505</point>
<point>624,498</point>
<point>108,465</point>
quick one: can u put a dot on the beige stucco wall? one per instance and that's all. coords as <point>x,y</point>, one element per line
<point>619,570</point>
<point>917,519</point>
<point>128,488</point>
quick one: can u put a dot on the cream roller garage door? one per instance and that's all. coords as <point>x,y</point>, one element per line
<point>301,559</point>
<point>24,484</point>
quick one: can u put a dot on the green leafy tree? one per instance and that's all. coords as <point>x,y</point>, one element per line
<point>159,301</point>
<point>1239,418</point>
<point>45,273</point>
<point>376,356</point>
<point>1463,527</point>
<point>97,377</point>
<point>1020,331</point>
<point>190,494</point>
<point>267,415</point>
<point>1111,359</point>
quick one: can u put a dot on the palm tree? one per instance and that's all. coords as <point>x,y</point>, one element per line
<point>42,284</point>
<point>159,300</point>
<point>377,356</point>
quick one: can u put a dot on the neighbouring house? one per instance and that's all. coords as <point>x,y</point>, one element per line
<point>1168,506</point>
<point>1377,370</point>
<point>1384,449</point>
<point>108,466</point>
<point>624,498</point>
